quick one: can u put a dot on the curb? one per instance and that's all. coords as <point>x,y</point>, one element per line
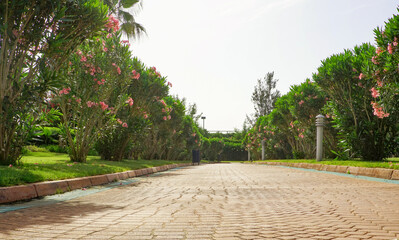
<point>384,173</point>
<point>26,192</point>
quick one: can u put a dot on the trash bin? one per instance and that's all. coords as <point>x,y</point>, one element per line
<point>196,156</point>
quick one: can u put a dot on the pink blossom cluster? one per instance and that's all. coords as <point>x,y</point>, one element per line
<point>136,75</point>
<point>91,104</point>
<point>361,76</point>
<point>103,105</point>
<point>163,102</point>
<point>122,123</point>
<point>118,69</point>
<point>169,84</point>
<point>301,102</point>
<point>374,93</point>
<point>374,60</point>
<point>378,110</point>
<point>130,101</point>
<point>100,82</point>
<point>64,91</point>
<point>155,70</point>
<point>125,42</point>
<point>378,51</point>
<point>112,23</point>
<point>167,118</point>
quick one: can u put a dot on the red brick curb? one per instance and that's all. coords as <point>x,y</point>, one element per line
<point>385,173</point>
<point>25,192</point>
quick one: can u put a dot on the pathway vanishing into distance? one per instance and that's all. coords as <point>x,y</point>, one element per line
<point>220,201</point>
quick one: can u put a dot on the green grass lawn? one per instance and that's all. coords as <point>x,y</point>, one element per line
<point>390,163</point>
<point>44,166</point>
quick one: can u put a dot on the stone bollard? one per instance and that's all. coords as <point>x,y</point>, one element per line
<point>319,135</point>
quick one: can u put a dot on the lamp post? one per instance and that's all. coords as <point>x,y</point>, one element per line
<point>203,122</point>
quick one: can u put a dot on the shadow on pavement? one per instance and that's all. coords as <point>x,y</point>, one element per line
<point>60,213</point>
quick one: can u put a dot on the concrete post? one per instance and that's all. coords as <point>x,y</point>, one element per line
<point>263,149</point>
<point>319,137</point>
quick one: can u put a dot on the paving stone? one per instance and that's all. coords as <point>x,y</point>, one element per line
<point>220,201</point>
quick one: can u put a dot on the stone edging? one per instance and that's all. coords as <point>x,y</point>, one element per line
<point>25,192</point>
<point>385,173</point>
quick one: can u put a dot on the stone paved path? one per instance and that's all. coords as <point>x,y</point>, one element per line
<point>220,201</point>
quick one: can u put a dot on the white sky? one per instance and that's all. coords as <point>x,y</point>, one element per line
<point>213,51</point>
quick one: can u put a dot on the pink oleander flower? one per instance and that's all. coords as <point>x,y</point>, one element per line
<point>118,70</point>
<point>91,104</point>
<point>112,24</point>
<point>103,105</point>
<point>169,117</point>
<point>145,116</point>
<point>379,83</point>
<point>153,68</point>
<point>136,75</point>
<point>395,43</point>
<point>124,125</point>
<point>301,135</point>
<point>130,101</point>
<point>301,102</point>
<point>163,102</point>
<point>79,52</point>
<point>164,118</point>
<point>374,92</point>
<point>105,49</point>
<point>390,49</point>
<point>78,100</point>
<point>92,71</point>
<point>163,110</point>
<point>374,59</point>
<point>292,124</point>
<point>64,91</point>
<point>126,42</point>
<point>361,76</point>
<point>10,165</point>
<point>378,110</point>
<point>83,59</point>
<point>378,51</point>
<point>169,84</point>
<point>119,121</point>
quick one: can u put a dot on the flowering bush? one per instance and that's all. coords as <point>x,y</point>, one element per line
<point>35,40</point>
<point>352,93</point>
<point>95,81</point>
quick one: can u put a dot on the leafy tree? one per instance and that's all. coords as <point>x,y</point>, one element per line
<point>120,8</point>
<point>265,95</point>
<point>36,38</point>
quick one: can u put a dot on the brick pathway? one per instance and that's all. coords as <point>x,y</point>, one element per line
<point>220,201</point>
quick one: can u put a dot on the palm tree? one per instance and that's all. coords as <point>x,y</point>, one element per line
<point>120,8</point>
